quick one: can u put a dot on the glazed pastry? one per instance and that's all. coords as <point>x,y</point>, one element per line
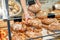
<point>49,20</point>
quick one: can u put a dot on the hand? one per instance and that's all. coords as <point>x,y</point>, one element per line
<point>26,17</point>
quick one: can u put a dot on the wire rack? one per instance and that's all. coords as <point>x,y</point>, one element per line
<point>8,23</point>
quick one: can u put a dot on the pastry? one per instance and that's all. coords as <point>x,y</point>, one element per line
<point>34,8</point>
<point>49,20</point>
<point>19,27</point>
<point>3,33</point>
<point>41,14</point>
<point>35,22</point>
<point>14,7</point>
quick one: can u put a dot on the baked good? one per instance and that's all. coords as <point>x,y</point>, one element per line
<point>34,33</point>
<point>54,26</point>
<point>14,7</point>
<point>41,14</point>
<point>19,27</point>
<point>3,24</point>
<point>3,33</point>
<point>35,22</point>
<point>49,20</point>
<point>34,8</point>
<point>19,36</point>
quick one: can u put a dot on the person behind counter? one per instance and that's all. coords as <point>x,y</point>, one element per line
<point>24,6</point>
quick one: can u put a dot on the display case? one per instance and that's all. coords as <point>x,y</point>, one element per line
<point>7,22</point>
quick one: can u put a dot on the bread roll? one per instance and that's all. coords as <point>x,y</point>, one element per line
<point>41,14</point>
<point>53,26</point>
<point>35,33</point>
<point>19,36</point>
<point>34,8</point>
<point>35,22</point>
<point>19,27</point>
<point>49,20</point>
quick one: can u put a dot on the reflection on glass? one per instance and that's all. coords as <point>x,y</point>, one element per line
<point>0,3</point>
<point>0,9</point>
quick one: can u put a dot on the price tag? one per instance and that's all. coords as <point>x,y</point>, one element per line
<point>17,19</point>
<point>51,15</point>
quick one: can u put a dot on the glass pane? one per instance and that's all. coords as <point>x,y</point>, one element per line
<point>0,9</point>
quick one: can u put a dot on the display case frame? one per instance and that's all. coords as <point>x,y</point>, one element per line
<point>8,23</point>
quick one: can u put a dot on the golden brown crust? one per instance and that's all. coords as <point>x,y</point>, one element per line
<point>19,27</point>
<point>54,26</point>
<point>34,33</point>
<point>34,8</point>
<point>19,36</point>
<point>41,14</point>
<point>3,24</point>
<point>49,20</point>
<point>35,22</point>
<point>3,33</point>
